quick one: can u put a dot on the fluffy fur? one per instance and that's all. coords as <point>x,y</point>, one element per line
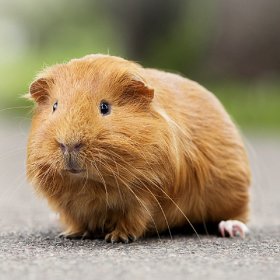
<point>167,155</point>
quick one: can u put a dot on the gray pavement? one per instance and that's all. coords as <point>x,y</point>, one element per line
<point>30,249</point>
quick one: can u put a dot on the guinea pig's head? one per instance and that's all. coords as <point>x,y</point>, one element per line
<point>93,118</point>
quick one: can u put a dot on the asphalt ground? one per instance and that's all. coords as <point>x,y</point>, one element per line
<point>30,248</point>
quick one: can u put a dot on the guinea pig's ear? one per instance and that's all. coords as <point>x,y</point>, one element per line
<point>39,90</point>
<point>138,90</point>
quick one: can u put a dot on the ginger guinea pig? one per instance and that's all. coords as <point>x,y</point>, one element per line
<point>123,151</point>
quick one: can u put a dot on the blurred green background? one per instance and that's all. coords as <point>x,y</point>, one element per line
<point>231,47</point>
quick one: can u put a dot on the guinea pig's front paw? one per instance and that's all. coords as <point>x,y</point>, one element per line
<point>117,236</point>
<point>233,228</point>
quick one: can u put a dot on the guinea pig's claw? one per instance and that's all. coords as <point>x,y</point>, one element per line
<point>233,228</point>
<point>118,236</point>
<point>132,237</point>
<point>63,234</point>
<point>74,235</point>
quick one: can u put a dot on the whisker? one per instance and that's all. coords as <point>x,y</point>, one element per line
<point>104,184</point>
<point>86,180</point>
<point>13,108</point>
<point>159,188</point>
<point>141,202</point>
<point>10,153</point>
<point>164,215</point>
<point>9,192</point>
<point>117,183</point>
<point>169,230</point>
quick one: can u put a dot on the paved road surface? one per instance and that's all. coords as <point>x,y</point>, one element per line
<point>29,248</point>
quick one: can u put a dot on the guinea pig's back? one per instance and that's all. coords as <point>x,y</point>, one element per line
<point>219,157</point>
<point>189,97</point>
<point>193,107</point>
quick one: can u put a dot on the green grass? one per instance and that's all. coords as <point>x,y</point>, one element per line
<point>254,106</point>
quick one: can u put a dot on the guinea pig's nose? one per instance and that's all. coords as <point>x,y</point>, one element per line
<point>69,148</point>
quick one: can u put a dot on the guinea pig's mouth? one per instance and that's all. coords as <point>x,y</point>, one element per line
<point>75,171</point>
<point>71,164</point>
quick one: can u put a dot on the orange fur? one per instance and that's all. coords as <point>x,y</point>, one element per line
<point>168,153</point>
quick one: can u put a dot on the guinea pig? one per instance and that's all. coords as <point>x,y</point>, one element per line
<point>121,151</point>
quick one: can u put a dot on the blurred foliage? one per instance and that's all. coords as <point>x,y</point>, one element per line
<point>253,106</point>
<point>231,48</point>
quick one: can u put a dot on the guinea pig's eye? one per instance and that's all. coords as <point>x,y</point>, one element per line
<point>55,106</point>
<point>105,108</point>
